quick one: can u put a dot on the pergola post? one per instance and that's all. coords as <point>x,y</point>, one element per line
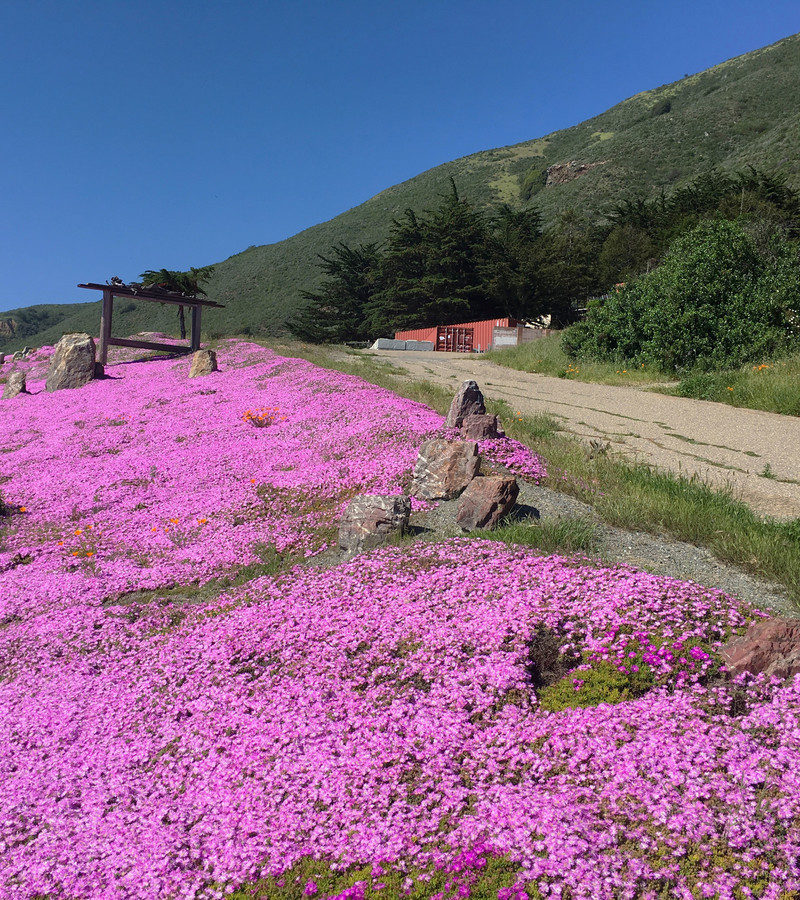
<point>196,311</point>
<point>105,326</point>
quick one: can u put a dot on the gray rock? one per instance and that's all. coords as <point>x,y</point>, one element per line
<point>485,501</point>
<point>467,402</point>
<point>369,520</point>
<point>444,468</point>
<point>17,355</point>
<point>15,385</point>
<point>72,364</point>
<point>204,362</point>
<point>481,427</point>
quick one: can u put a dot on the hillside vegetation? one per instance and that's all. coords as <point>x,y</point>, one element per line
<point>743,111</point>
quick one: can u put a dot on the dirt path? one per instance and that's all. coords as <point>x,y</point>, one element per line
<point>756,453</point>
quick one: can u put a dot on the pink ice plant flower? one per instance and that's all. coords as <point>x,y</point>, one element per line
<point>379,712</point>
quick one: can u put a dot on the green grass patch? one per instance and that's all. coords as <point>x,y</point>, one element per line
<point>314,878</point>
<point>771,386</point>
<point>602,683</point>
<point>546,357</point>
<point>566,536</point>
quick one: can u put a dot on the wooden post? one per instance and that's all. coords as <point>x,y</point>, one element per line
<point>196,311</point>
<point>105,326</point>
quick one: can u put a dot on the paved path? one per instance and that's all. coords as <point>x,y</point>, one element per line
<point>726,445</point>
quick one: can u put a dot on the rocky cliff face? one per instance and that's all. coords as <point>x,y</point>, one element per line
<point>561,173</point>
<point>8,328</point>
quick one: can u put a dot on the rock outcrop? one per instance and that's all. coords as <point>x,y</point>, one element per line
<point>486,501</point>
<point>369,520</point>
<point>14,385</point>
<point>444,468</point>
<point>478,427</point>
<point>467,402</point>
<point>771,646</point>
<point>204,362</point>
<point>73,362</point>
<point>561,173</point>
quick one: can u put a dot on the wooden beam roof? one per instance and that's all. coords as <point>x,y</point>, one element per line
<point>151,294</point>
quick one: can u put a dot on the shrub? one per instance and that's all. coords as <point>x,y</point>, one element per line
<point>601,683</point>
<point>717,301</point>
<point>663,106</point>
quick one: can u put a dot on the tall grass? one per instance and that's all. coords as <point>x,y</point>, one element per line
<point>546,357</point>
<point>772,386</point>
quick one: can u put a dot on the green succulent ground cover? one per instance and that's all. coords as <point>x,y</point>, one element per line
<point>743,111</point>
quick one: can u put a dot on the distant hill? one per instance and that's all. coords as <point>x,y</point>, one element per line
<point>743,111</point>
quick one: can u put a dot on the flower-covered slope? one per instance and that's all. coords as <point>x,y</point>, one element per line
<point>384,712</point>
<point>147,478</point>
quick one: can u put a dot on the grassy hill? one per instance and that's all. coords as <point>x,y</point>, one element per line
<point>745,110</point>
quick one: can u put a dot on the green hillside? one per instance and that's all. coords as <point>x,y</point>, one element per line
<point>743,111</point>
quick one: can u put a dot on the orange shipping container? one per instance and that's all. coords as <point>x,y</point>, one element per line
<point>481,333</point>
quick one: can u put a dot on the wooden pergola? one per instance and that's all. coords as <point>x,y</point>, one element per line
<point>152,294</point>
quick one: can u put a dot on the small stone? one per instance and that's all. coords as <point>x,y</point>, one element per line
<point>204,362</point>
<point>480,427</point>
<point>467,402</point>
<point>444,468</point>
<point>369,520</point>
<point>486,501</point>
<point>771,646</point>
<point>15,385</point>
<point>72,363</point>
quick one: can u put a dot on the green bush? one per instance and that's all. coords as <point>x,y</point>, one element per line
<point>602,683</point>
<point>717,301</point>
<point>663,106</point>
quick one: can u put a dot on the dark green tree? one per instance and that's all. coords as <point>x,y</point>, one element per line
<point>566,263</point>
<point>512,269</point>
<point>336,311</point>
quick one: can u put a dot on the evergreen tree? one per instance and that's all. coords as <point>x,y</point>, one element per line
<point>336,311</point>
<point>511,273</point>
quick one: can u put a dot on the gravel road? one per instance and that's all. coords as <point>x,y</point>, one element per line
<point>723,444</point>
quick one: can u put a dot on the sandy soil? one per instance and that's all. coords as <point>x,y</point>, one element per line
<point>727,446</point>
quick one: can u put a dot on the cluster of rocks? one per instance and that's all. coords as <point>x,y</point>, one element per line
<point>561,173</point>
<point>446,469</point>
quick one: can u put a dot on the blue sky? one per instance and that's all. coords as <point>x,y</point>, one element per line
<point>143,134</point>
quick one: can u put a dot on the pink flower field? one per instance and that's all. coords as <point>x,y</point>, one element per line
<point>376,728</point>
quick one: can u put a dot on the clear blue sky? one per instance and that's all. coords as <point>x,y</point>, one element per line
<point>157,133</point>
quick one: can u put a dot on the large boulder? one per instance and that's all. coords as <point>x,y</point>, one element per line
<point>771,646</point>
<point>467,402</point>
<point>477,427</point>
<point>14,385</point>
<point>486,501</point>
<point>444,468</point>
<point>204,362</point>
<point>72,364</point>
<point>369,520</point>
